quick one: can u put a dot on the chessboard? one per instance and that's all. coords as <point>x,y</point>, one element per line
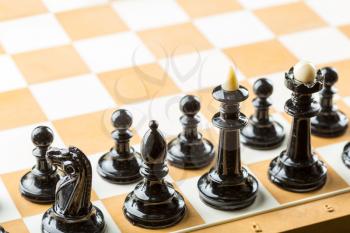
<point>69,64</point>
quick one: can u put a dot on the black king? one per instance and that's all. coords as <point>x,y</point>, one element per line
<point>297,169</point>
<point>228,186</point>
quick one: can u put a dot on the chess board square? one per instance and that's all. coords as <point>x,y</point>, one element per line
<point>21,154</point>
<point>149,80</point>
<point>231,31</point>
<point>73,96</point>
<point>345,29</point>
<point>308,46</point>
<point>89,132</point>
<point>103,188</point>
<point>89,22</point>
<point>320,142</point>
<point>263,201</point>
<point>289,18</point>
<point>332,154</point>
<point>250,155</point>
<point>11,9</point>
<point>343,72</point>
<point>15,226</point>
<point>59,5</point>
<point>165,110</point>
<point>254,4</point>
<point>50,64</point>
<point>8,208</point>
<point>32,33</point>
<point>333,183</point>
<point>114,205</point>
<point>11,78</point>
<point>27,110</point>
<point>25,208</point>
<point>261,58</point>
<point>335,12</point>
<point>174,40</point>
<point>159,13</point>
<point>114,51</point>
<point>33,223</point>
<point>199,70</point>
<point>1,50</point>
<point>208,7</point>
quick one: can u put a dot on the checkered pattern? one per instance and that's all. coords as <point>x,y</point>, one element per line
<point>69,64</point>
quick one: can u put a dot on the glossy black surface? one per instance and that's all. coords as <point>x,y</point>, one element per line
<point>262,132</point>
<point>190,150</point>
<point>154,203</point>
<point>121,164</point>
<point>72,211</point>
<point>330,122</point>
<point>297,169</point>
<point>2,230</point>
<point>228,186</point>
<point>39,184</point>
<point>346,155</point>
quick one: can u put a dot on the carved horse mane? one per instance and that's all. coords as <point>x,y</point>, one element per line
<point>73,191</point>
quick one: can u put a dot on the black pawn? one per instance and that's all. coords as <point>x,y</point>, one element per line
<point>39,184</point>
<point>330,122</point>
<point>262,132</point>
<point>120,165</point>
<point>154,203</point>
<point>346,155</point>
<point>190,150</point>
<point>2,230</point>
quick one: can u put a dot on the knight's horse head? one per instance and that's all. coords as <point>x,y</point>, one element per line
<point>66,160</point>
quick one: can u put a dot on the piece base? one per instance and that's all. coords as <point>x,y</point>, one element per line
<point>346,155</point>
<point>39,189</point>
<point>295,177</point>
<point>152,215</point>
<point>119,171</point>
<point>263,138</point>
<point>92,223</point>
<point>228,195</point>
<point>330,126</point>
<point>190,155</point>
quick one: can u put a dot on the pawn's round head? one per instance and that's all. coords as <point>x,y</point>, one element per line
<point>263,88</point>
<point>330,76</point>
<point>122,119</point>
<point>42,136</point>
<point>190,105</point>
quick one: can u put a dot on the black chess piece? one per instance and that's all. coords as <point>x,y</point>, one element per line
<point>39,184</point>
<point>330,122</point>
<point>72,211</point>
<point>346,155</point>
<point>2,230</point>
<point>297,169</point>
<point>154,203</point>
<point>190,150</point>
<point>121,164</point>
<point>262,132</point>
<point>228,186</point>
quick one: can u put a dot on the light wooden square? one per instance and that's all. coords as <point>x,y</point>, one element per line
<point>11,9</point>
<point>208,7</point>
<point>289,18</point>
<point>150,81</point>
<point>17,226</point>
<point>90,22</point>
<point>19,108</point>
<point>174,40</point>
<point>50,64</point>
<point>261,58</point>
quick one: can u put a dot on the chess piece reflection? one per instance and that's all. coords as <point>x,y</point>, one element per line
<point>72,211</point>
<point>39,184</point>
<point>189,149</point>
